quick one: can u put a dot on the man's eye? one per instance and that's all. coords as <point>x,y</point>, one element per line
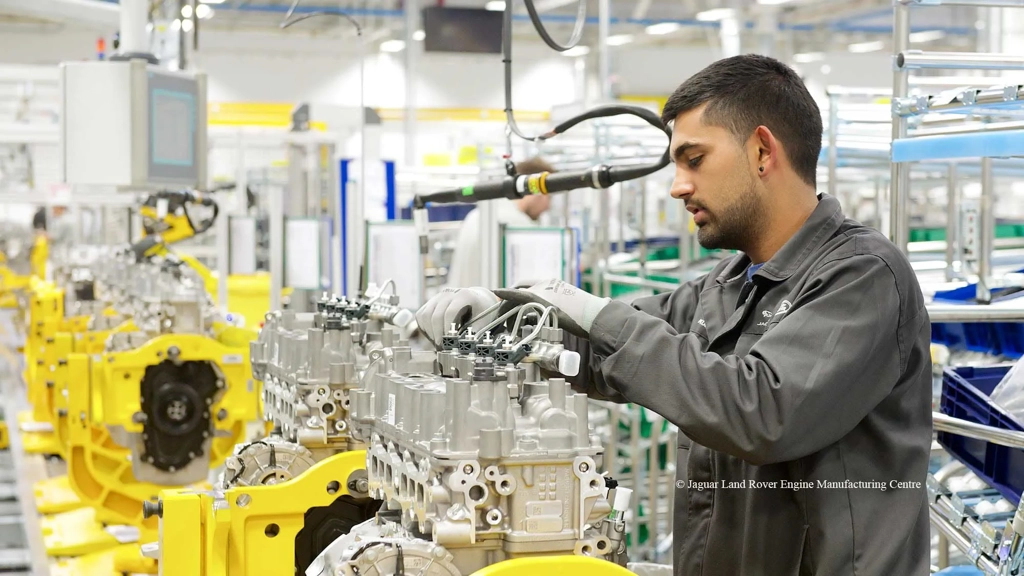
<point>694,162</point>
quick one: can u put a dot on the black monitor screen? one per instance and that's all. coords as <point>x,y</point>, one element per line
<point>462,30</point>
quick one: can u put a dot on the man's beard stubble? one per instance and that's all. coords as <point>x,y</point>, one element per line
<point>735,226</point>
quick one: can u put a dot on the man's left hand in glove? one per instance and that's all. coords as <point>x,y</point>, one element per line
<point>576,308</point>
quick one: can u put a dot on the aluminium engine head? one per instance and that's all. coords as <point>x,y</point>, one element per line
<point>484,462</point>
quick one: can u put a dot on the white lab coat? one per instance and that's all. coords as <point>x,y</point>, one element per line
<point>465,270</point>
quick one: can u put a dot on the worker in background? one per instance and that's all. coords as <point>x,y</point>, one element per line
<point>59,230</point>
<point>797,371</point>
<point>467,258</point>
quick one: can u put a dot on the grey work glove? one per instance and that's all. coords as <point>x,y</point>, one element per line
<point>575,307</point>
<point>455,306</point>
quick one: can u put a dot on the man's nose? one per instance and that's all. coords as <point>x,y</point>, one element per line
<point>682,187</point>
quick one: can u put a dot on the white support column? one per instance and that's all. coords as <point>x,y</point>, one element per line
<point>134,14</point>
<point>604,53</point>
<point>411,52</point>
<point>729,33</point>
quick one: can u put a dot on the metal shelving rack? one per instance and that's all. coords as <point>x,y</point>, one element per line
<point>985,140</point>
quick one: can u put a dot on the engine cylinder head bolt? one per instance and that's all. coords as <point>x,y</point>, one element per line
<point>584,467</point>
<point>494,516</point>
<point>139,418</point>
<point>222,414</point>
<point>173,352</point>
<point>467,469</point>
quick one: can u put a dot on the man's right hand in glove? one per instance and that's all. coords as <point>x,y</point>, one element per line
<point>458,306</point>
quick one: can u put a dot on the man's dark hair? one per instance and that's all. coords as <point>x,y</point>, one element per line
<point>534,165</point>
<point>744,92</point>
<point>39,219</point>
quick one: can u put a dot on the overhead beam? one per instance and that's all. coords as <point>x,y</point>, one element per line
<point>90,13</point>
<point>827,12</point>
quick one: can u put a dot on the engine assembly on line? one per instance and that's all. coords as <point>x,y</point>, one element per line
<point>164,296</point>
<point>481,460</point>
<point>309,364</point>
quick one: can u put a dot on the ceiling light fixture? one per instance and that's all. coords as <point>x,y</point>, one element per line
<point>806,57</point>
<point>212,1</point>
<point>392,46</point>
<point>620,39</point>
<point>203,11</point>
<point>864,47</point>
<point>186,11</point>
<point>577,51</point>
<point>495,5</point>
<point>186,25</point>
<point>419,35</point>
<point>927,36</point>
<point>662,28</point>
<point>715,14</point>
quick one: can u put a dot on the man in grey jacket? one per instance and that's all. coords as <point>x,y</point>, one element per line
<point>798,371</point>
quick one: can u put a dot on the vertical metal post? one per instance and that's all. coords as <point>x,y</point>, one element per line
<point>653,477</point>
<point>879,203</point>
<point>623,215</point>
<point>223,244</point>
<point>899,185</point>
<point>635,415</point>
<point>833,136</point>
<point>606,249</point>
<point>988,231</point>
<point>604,54</point>
<point>643,232</point>
<point>943,550</point>
<point>490,246</point>
<point>952,220</point>
<point>334,204</point>
<point>411,23</point>
<point>275,213</point>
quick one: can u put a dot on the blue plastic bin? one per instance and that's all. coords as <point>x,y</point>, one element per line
<point>1000,338</point>
<point>965,395</point>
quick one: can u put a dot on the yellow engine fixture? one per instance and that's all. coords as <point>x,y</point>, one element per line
<point>46,320</point>
<point>12,282</point>
<point>147,418</point>
<point>55,495</point>
<point>269,529</point>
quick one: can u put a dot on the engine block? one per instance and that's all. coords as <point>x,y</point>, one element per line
<point>310,364</point>
<point>486,461</point>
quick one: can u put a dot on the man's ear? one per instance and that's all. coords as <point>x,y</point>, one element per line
<point>767,150</point>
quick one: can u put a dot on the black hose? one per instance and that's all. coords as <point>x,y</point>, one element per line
<point>208,223</point>
<point>288,20</point>
<point>506,48</point>
<point>577,31</point>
